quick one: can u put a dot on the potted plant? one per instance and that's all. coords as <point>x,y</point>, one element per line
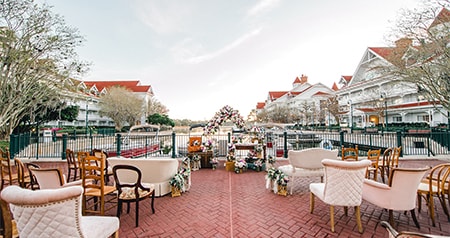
<point>166,149</point>
<point>177,184</point>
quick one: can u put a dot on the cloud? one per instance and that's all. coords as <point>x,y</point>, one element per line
<point>262,6</point>
<point>185,51</point>
<point>162,16</point>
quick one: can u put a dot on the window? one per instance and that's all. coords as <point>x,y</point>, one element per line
<point>423,118</point>
<point>397,119</point>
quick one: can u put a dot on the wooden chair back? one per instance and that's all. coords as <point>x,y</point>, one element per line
<point>131,192</point>
<point>374,157</point>
<point>9,225</point>
<point>23,177</point>
<point>48,178</point>
<point>93,182</point>
<point>8,176</point>
<point>34,185</point>
<point>73,165</point>
<point>350,154</point>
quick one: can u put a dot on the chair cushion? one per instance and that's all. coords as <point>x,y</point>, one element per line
<point>128,193</point>
<point>99,226</point>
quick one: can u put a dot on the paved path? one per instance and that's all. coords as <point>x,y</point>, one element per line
<point>226,204</point>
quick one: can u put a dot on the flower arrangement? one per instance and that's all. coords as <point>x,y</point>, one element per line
<point>231,148</point>
<point>196,158</point>
<point>271,160</point>
<point>226,113</point>
<point>177,181</point>
<point>214,162</point>
<point>239,165</point>
<point>208,145</point>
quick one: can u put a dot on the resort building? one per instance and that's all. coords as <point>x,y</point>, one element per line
<point>87,97</point>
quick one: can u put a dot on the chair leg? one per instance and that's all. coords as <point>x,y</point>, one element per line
<point>68,175</point>
<point>346,211</point>
<point>413,215</point>
<point>431,208</point>
<point>119,208</point>
<point>358,219</point>
<point>391,217</point>
<point>332,217</point>
<point>137,212</point>
<point>419,202</point>
<point>153,201</point>
<point>311,202</point>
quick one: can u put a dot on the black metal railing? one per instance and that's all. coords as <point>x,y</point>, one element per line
<point>173,145</point>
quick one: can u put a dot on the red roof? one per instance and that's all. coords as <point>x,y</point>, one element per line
<point>260,105</point>
<point>276,94</point>
<point>297,80</point>
<point>384,52</point>
<point>347,78</point>
<point>133,85</point>
<point>335,87</point>
<point>442,17</point>
<point>320,93</point>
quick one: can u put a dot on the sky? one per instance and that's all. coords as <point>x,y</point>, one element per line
<point>200,55</point>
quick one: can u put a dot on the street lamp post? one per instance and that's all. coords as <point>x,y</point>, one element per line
<point>383,98</point>
<point>351,115</point>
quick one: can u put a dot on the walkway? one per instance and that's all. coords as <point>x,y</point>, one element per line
<point>225,204</point>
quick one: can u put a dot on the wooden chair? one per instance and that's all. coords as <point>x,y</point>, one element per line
<point>342,187</point>
<point>390,161</point>
<point>93,182</point>
<point>8,176</point>
<point>374,157</point>
<point>73,165</point>
<point>349,153</point>
<point>436,184</point>
<point>51,178</point>
<point>131,191</point>
<point>23,176</point>
<point>33,181</point>
<point>8,223</point>
<point>102,155</point>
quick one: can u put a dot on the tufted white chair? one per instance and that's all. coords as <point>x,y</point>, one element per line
<point>342,187</point>
<point>55,213</point>
<point>399,194</point>
<point>306,163</point>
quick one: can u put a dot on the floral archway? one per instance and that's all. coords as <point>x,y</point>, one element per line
<point>226,113</point>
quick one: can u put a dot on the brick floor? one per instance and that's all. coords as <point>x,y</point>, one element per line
<point>226,204</point>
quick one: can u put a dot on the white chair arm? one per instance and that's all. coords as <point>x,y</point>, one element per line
<point>376,185</point>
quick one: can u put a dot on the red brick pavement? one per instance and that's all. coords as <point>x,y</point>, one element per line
<point>226,204</point>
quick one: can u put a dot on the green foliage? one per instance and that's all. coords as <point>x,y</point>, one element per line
<point>158,119</point>
<point>4,144</point>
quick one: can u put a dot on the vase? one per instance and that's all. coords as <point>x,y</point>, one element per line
<point>258,169</point>
<point>176,192</point>
<point>282,190</point>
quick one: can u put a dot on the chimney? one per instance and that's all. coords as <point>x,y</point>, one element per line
<point>304,79</point>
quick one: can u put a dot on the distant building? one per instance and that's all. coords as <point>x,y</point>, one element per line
<point>87,97</point>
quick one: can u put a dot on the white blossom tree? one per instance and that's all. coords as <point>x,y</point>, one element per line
<point>37,57</point>
<point>122,106</point>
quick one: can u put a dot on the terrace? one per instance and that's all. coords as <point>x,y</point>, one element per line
<point>226,204</point>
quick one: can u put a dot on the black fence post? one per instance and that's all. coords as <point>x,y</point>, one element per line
<point>119,144</point>
<point>285,153</point>
<point>341,140</point>
<point>399,142</point>
<point>229,137</point>
<point>173,144</point>
<point>64,147</point>
<point>13,145</point>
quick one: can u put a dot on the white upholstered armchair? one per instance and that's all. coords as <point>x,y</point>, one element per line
<point>55,213</point>
<point>306,163</point>
<point>342,187</point>
<point>399,194</point>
